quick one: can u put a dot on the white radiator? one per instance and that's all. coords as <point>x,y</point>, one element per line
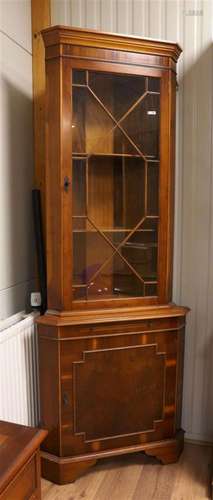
<point>19,370</point>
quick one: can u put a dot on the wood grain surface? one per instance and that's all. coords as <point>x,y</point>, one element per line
<point>137,477</point>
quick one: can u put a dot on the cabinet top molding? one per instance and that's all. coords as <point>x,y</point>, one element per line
<point>65,35</point>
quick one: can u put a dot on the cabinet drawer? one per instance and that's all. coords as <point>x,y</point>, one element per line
<point>120,327</point>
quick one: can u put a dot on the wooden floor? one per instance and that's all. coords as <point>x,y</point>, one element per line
<point>137,477</point>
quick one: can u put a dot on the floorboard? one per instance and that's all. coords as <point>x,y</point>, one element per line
<point>137,477</point>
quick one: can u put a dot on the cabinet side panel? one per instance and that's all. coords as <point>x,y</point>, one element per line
<point>166,196</point>
<point>180,366</point>
<point>53,202</point>
<point>49,392</point>
<point>172,86</point>
<point>58,167</point>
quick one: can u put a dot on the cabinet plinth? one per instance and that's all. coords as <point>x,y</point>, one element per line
<point>111,343</point>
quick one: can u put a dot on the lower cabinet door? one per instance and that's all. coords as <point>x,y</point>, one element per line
<point>119,390</point>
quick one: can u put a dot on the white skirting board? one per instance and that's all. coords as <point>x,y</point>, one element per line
<point>19,389</point>
<point>203,439</point>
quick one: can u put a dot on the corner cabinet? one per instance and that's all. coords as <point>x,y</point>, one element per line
<point>111,342</point>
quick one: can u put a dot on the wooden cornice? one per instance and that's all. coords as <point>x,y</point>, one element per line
<point>64,35</point>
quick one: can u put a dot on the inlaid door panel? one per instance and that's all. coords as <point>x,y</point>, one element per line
<point>118,390</point>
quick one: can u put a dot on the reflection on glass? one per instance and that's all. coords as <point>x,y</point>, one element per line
<point>115,173</point>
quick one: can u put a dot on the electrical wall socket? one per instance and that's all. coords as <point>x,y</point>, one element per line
<point>35,299</point>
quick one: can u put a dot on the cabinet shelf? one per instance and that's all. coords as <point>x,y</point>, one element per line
<point>85,156</point>
<point>113,230</point>
<point>140,246</point>
<point>77,156</point>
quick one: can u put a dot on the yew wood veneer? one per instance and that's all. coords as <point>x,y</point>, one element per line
<point>20,476</point>
<point>111,343</point>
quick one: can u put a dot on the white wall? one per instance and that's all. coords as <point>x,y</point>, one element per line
<point>191,24</point>
<point>16,156</point>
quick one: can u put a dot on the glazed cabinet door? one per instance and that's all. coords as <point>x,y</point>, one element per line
<point>109,185</point>
<point>116,158</point>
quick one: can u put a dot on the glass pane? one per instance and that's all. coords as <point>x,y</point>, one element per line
<point>142,257</point>
<point>115,280</point>
<point>116,236</point>
<point>79,186</point>
<point>140,250</point>
<point>116,192</point>
<point>79,77</point>
<point>79,292</point>
<point>90,251</point>
<point>154,84</point>
<point>117,92</point>
<point>142,125</point>
<point>151,289</point>
<point>94,131</point>
<point>152,188</point>
<point>115,178</point>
